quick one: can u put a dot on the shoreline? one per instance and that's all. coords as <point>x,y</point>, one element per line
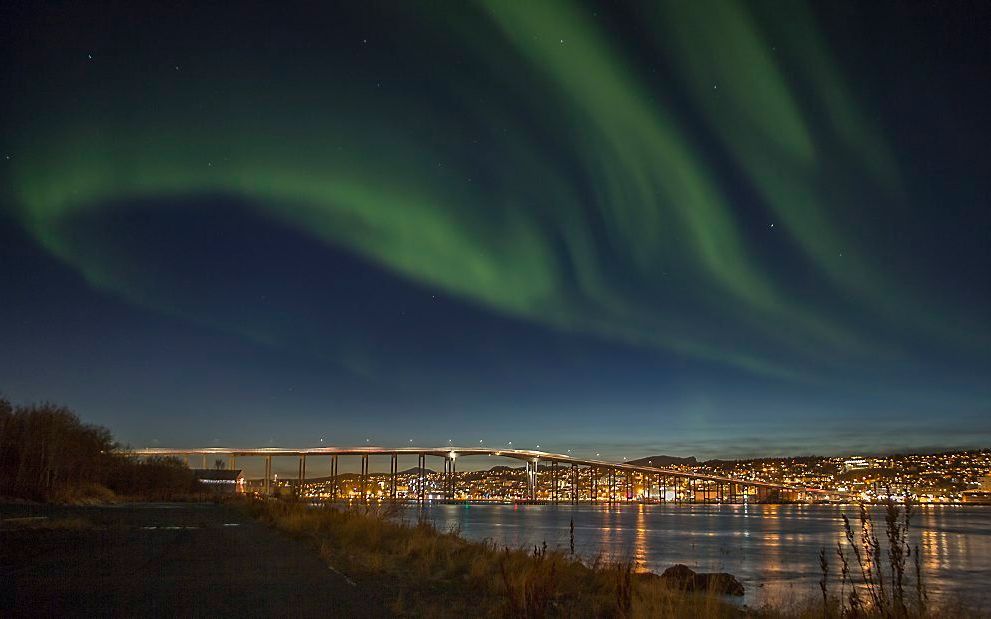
<point>413,570</point>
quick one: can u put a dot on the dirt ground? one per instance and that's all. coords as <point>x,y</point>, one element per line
<point>165,559</point>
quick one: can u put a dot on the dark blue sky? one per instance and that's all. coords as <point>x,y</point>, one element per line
<point>741,229</point>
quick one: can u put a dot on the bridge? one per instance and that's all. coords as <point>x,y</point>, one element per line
<point>572,478</point>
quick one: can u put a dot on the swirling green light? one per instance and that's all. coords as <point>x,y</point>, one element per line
<point>579,227</point>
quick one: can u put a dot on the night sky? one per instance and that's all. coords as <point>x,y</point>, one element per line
<point>697,228</point>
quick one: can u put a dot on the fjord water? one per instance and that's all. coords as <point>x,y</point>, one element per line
<point>772,549</point>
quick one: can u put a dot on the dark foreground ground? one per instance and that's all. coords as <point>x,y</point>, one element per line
<point>164,559</point>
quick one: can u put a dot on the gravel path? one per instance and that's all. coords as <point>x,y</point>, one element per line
<point>162,559</point>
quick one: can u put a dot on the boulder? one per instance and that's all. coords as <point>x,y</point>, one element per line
<point>686,579</point>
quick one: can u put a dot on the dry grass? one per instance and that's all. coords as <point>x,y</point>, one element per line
<point>435,573</point>
<point>872,575</point>
<point>440,574</point>
<point>812,608</point>
<point>86,494</point>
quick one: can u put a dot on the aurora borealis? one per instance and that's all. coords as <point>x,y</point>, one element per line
<point>662,226</point>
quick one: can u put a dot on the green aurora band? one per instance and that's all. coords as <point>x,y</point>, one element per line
<point>611,217</point>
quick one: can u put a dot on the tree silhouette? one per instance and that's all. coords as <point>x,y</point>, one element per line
<point>46,452</point>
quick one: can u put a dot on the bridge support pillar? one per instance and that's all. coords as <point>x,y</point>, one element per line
<point>421,465</point>
<point>301,475</point>
<point>364,478</point>
<point>531,480</point>
<point>454,478</point>
<point>393,470</point>
<point>536,480</point>
<point>574,484</point>
<point>268,475</point>
<point>554,481</point>
<point>449,469</point>
<point>334,493</point>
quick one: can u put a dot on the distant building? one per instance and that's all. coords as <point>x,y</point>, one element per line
<point>980,495</point>
<point>855,464</point>
<point>222,481</point>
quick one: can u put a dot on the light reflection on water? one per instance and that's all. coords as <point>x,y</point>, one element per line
<point>772,549</point>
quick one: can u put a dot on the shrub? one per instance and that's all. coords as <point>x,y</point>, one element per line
<point>47,453</point>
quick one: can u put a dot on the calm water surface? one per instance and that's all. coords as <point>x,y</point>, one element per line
<point>772,549</point>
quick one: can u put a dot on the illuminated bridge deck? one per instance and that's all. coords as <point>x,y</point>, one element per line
<point>451,455</point>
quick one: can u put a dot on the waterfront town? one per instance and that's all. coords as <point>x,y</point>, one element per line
<point>950,477</point>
